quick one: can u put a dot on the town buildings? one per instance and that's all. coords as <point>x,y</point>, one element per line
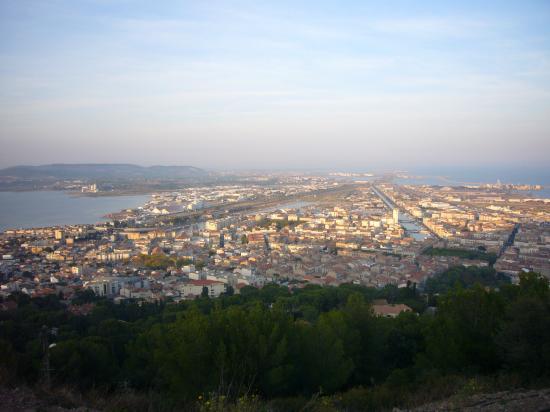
<point>367,234</point>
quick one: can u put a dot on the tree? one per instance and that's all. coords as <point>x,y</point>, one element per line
<point>524,338</point>
<point>325,365</point>
<point>533,284</point>
<point>369,357</point>
<point>466,277</point>
<point>85,362</point>
<point>182,356</point>
<point>277,343</point>
<point>84,296</point>
<point>462,336</point>
<point>8,361</point>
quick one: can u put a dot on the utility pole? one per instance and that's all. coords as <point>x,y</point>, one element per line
<point>46,359</point>
<point>44,339</point>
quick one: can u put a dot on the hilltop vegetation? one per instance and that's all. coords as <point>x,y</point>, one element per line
<point>276,349</point>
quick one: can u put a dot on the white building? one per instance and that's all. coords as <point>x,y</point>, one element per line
<point>195,287</point>
<point>111,285</point>
<point>396,216</point>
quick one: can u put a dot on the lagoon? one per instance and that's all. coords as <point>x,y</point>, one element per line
<point>52,208</point>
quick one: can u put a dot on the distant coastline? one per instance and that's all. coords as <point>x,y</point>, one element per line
<point>114,193</point>
<point>73,193</point>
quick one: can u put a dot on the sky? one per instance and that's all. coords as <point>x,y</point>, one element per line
<point>282,84</point>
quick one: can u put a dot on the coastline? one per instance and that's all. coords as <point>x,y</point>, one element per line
<point>50,208</point>
<point>115,193</point>
<point>72,193</point>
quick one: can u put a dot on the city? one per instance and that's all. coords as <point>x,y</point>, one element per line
<point>222,238</point>
<point>274,206</point>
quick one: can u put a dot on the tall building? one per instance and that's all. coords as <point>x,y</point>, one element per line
<point>396,216</point>
<point>211,225</point>
<point>90,188</point>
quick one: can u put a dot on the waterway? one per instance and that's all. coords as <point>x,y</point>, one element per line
<point>411,226</point>
<point>51,208</point>
<point>414,229</point>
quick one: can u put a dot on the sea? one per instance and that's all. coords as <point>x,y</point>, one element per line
<point>450,176</point>
<point>52,208</point>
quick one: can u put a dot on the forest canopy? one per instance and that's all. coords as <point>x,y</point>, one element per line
<point>277,343</point>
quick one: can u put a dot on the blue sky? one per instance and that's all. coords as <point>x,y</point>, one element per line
<point>348,84</point>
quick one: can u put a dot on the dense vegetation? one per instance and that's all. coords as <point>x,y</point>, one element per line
<point>285,346</point>
<point>460,276</point>
<point>462,253</point>
<point>161,261</point>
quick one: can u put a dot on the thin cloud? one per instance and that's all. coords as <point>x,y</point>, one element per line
<point>429,26</point>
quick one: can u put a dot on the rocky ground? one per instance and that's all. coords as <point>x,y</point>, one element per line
<point>22,399</point>
<point>508,401</point>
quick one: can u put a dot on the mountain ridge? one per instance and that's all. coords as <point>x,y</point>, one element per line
<point>102,170</point>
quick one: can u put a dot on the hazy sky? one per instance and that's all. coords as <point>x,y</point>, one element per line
<point>358,84</point>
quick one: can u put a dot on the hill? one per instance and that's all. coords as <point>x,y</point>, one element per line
<point>102,171</point>
<point>309,348</point>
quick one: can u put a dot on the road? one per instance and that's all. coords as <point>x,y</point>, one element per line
<point>510,241</point>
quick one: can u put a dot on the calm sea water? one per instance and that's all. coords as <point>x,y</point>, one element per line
<point>544,193</point>
<point>38,209</point>
<point>524,175</point>
<point>477,176</point>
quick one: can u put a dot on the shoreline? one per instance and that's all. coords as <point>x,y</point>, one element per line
<point>115,193</point>
<point>46,208</point>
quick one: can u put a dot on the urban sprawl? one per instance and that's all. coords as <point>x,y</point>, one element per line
<point>343,228</point>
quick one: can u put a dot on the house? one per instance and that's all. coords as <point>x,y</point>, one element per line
<point>389,310</point>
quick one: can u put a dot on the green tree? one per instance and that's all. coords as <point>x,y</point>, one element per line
<point>524,339</point>
<point>86,362</point>
<point>462,336</point>
<point>324,364</point>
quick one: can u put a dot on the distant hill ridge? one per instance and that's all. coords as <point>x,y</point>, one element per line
<point>98,170</point>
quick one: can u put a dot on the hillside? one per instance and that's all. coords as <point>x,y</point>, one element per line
<point>508,401</point>
<point>25,399</point>
<point>287,348</point>
<point>102,171</point>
